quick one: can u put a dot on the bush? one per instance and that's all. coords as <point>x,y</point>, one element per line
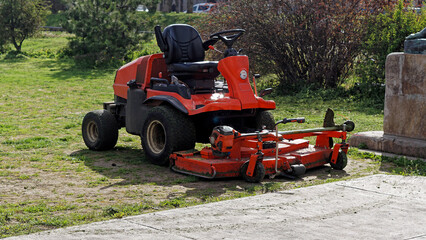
<point>386,34</point>
<point>105,31</point>
<point>303,42</point>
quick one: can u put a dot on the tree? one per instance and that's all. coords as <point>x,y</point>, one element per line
<point>20,19</point>
<point>304,42</point>
<point>104,29</point>
<point>190,3</point>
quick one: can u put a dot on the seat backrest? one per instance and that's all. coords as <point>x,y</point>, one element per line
<point>183,44</point>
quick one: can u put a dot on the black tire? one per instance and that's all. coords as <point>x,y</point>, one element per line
<point>259,172</point>
<point>342,161</point>
<point>100,130</point>
<point>265,118</point>
<point>350,126</point>
<point>166,130</point>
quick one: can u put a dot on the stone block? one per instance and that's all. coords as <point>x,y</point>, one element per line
<point>377,140</point>
<point>404,146</point>
<point>368,140</point>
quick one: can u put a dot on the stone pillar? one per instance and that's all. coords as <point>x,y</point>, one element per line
<point>405,102</point>
<point>404,125</point>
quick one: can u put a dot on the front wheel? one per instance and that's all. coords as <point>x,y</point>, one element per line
<point>100,130</point>
<point>258,175</point>
<point>342,161</point>
<point>165,131</point>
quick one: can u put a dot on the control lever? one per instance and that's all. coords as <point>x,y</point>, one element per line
<point>287,120</point>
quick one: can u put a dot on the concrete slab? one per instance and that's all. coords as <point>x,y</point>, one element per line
<point>373,207</point>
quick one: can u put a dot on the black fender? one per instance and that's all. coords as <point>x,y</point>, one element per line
<point>157,100</point>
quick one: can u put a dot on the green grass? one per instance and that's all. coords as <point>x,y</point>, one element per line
<point>49,179</point>
<point>398,165</point>
<point>46,41</point>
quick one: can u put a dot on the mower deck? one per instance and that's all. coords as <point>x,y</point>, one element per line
<point>204,164</point>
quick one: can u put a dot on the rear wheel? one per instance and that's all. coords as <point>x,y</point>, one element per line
<point>265,119</point>
<point>100,130</point>
<point>165,131</point>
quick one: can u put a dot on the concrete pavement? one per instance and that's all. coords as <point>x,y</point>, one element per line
<point>373,207</point>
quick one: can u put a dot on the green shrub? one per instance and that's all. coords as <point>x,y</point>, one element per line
<point>105,31</point>
<point>111,31</point>
<point>386,34</point>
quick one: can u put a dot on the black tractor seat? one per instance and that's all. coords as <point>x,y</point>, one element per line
<point>184,52</point>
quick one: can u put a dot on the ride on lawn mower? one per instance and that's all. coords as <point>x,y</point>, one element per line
<point>175,99</point>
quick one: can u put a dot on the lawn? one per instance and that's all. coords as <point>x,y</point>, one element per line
<point>48,178</point>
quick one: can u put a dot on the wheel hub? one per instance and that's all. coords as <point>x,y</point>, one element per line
<point>92,131</point>
<point>156,137</point>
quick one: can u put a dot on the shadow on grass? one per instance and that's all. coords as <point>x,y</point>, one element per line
<point>66,68</point>
<point>130,165</point>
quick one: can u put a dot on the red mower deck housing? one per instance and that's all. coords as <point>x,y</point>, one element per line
<point>286,152</point>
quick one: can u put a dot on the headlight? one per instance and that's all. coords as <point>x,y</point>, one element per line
<point>243,74</point>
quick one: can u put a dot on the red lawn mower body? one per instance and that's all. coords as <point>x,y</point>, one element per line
<point>239,97</point>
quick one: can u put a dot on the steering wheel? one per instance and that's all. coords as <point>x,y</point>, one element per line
<point>228,37</point>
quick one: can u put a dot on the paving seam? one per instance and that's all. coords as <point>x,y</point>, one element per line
<point>158,229</point>
<point>366,190</point>
<point>416,237</point>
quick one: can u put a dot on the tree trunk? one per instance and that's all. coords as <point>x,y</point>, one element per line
<point>189,6</point>
<point>181,6</point>
<point>17,46</point>
<point>168,6</point>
